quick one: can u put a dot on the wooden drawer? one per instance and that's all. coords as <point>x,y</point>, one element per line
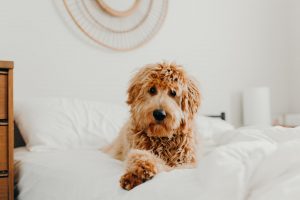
<point>6,131</point>
<point>3,95</point>
<point>3,188</point>
<point>3,148</point>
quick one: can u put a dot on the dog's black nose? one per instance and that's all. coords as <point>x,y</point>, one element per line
<point>159,114</point>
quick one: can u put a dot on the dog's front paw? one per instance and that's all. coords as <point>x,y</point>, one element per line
<point>140,173</point>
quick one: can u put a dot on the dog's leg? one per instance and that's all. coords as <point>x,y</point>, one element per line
<point>141,166</point>
<point>119,147</point>
<point>116,149</point>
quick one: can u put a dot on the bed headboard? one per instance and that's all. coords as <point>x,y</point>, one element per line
<point>19,141</point>
<point>221,116</point>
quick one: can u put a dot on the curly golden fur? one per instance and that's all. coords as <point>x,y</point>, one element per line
<point>149,145</point>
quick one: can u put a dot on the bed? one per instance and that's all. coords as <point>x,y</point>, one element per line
<point>234,164</point>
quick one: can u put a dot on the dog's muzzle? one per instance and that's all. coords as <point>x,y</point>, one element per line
<point>159,114</point>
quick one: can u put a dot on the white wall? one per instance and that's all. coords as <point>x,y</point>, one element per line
<point>295,57</point>
<point>226,45</point>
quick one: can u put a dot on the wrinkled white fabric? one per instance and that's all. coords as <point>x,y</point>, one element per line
<point>247,163</point>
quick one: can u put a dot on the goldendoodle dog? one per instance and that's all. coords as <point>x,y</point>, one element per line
<point>160,133</point>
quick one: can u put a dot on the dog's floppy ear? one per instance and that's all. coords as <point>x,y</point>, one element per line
<point>133,91</point>
<point>136,84</point>
<point>191,98</point>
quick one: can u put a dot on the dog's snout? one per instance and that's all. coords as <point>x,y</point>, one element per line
<point>159,114</point>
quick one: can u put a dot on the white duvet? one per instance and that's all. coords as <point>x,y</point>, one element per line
<point>245,163</point>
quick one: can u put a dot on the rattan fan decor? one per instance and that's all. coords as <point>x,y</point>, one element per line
<point>118,28</point>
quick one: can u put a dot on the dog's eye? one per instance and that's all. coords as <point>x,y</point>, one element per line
<point>152,90</point>
<point>172,93</point>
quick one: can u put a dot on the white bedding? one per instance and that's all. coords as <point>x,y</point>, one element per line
<point>245,163</point>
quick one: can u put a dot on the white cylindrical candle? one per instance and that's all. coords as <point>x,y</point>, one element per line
<point>256,106</point>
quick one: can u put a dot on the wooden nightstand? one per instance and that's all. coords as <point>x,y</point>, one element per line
<point>6,131</point>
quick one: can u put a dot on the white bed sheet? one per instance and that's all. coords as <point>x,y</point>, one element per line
<point>246,163</point>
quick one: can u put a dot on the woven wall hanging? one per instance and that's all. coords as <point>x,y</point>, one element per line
<point>118,24</point>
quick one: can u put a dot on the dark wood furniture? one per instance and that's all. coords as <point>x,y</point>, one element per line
<point>6,131</point>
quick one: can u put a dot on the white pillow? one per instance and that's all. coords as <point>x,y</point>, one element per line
<point>209,130</point>
<point>209,127</point>
<point>60,123</point>
<point>68,123</point>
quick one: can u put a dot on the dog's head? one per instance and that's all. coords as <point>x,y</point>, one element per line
<point>163,99</point>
